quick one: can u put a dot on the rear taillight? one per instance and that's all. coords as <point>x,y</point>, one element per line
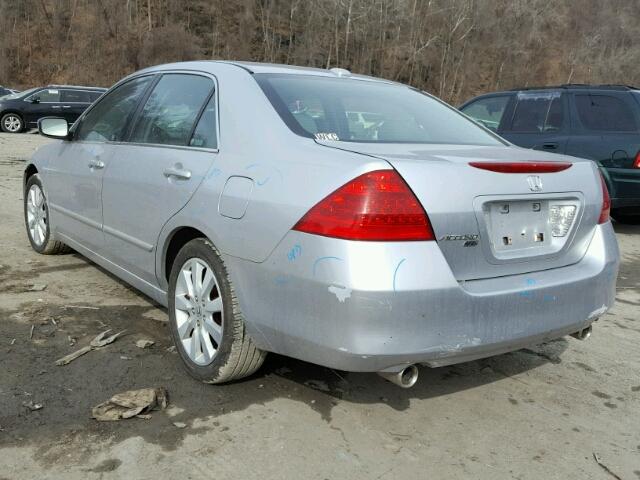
<point>636,161</point>
<point>606,202</point>
<point>522,167</point>
<point>376,206</point>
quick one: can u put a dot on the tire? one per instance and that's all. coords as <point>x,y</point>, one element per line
<point>11,123</point>
<point>195,325</point>
<point>36,210</point>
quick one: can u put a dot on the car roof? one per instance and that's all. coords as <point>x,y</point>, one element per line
<point>259,68</point>
<point>97,89</point>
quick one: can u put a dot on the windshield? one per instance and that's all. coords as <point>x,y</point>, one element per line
<point>20,94</point>
<point>351,110</point>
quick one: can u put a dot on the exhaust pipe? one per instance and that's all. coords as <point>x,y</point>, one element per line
<point>405,378</point>
<point>582,334</point>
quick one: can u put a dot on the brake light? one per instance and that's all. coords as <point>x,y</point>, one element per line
<point>636,162</point>
<point>376,206</point>
<point>522,167</point>
<point>606,202</point>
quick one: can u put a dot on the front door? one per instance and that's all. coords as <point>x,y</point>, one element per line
<point>154,175</point>
<point>74,187</point>
<point>74,178</point>
<point>43,103</point>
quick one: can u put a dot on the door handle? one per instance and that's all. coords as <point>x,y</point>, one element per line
<point>66,106</point>
<point>178,172</point>
<point>55,106</point>
<point>550,146</point>
<point>97,164</point>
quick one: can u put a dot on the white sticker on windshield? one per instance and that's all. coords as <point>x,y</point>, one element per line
<point>53,92</point>
<point>327,136</point>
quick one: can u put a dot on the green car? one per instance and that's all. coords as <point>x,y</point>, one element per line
<point>598,122</point>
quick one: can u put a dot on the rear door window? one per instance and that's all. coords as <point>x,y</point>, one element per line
<point>488,112</point>
<point>170,113</point>
<point>538,112</point>
<point>205,134</point>
<point>108,119</point>
<point>74,96</point>
<point>605,113</point>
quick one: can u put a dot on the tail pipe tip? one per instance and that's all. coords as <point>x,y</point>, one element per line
<point>582,334</point>
<point>404,378</point>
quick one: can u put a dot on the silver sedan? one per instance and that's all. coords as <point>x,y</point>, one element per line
<point>344,220</point>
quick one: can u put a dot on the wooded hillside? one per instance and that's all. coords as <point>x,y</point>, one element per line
<point>452,48</point>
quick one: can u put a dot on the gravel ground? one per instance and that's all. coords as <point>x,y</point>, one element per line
<point>539,413</point>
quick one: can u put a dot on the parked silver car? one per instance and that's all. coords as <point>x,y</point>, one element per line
<point>348,221</point>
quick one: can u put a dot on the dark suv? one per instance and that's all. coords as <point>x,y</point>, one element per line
<point>601,123</point>
<point>22,110</point>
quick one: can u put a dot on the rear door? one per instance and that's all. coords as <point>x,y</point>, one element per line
<point>74,102</point>
<point>155,173</point>
<point>607,130</point>
<point>539,121</point>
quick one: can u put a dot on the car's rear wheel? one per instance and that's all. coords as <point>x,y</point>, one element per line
<point>11,123</point>
<point>36,219</point>
<point>205,319</point>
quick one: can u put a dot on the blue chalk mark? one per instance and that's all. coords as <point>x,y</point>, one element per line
<point>395,273</point>
<point>526,293</point>
<point>549,298</point>
<point>321,259</point>
<point>294,253</point>
<point>530,281</point>
<point>281,280</point>
<point>264,180</point>
<point>214,173</point>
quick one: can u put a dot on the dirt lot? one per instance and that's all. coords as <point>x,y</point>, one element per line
<point>539,413</point>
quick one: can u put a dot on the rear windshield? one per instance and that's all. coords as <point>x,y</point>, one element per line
<point>351,110</point>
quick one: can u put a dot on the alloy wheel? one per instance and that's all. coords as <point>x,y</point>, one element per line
<point>198,311</point>
<point>37,215</point>
<point>12,123</point>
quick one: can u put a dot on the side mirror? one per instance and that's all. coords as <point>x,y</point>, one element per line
<point>54,127</point>
<point>35,100</point>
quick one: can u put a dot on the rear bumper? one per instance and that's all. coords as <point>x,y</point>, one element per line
<point>625,187</point>
<point>363,306</point>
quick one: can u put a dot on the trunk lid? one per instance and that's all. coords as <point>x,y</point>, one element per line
<point>491,224</point>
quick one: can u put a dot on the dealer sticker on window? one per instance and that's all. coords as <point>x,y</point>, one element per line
<point>327,136</point>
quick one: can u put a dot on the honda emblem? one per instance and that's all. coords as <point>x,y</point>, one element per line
<point>535,183</point>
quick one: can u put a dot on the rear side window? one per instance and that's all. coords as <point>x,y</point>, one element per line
<point>605,113</point>
<point>171,111</point>
<point>108,119</point>
<point>205,134</point>
<point>75,96</point>
<point>488,112</point>
<point>50,95</point>
<point>538,113</point>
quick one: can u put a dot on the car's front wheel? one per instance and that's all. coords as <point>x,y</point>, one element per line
<point>11,123</point>
<point>36,219</point>
<point>205,319</point>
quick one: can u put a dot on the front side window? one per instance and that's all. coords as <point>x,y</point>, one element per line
<point>605,113</point>
<point>108,119</point>
<point>488,112</point>
<point>49,95</point>
<point>170,113</point>
<point>538,112</point>
<point>352,110</point>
